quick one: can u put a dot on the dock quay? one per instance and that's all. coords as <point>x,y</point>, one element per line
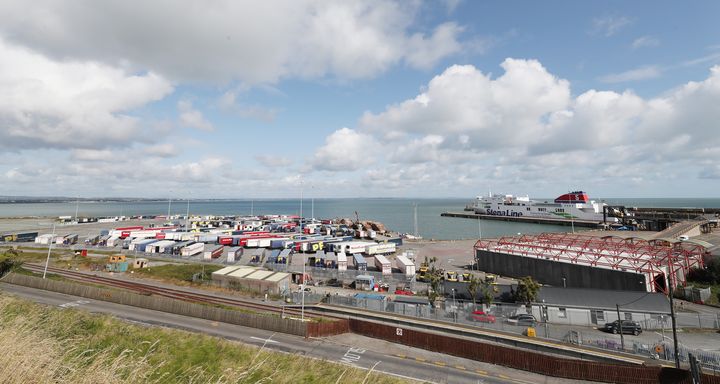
<point>525,219</point>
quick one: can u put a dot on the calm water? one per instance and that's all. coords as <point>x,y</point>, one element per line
<point>396,214</point>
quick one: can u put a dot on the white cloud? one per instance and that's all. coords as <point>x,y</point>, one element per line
<point>345,150</point>
<point>524,128</point>
<point>475,109</point>
<point>643,73</point>
<point>191,117</point>
<point>252,43</point>
<point>645,41</point>
<point>71,104</point>
<point>610,25</point>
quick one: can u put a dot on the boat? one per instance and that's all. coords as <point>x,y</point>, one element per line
<point>575,205</point>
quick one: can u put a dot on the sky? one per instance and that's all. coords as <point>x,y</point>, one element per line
<point>270,99</point>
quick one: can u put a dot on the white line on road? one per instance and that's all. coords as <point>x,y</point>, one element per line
<point>263,340</point>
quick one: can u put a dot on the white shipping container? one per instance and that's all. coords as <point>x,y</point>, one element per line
<point>383,264</point>
<point>44,239</point>
<point>381,248</point>
<point>405,265</point>
<point>192,249</point>
<point>142,234</point>
<point>264,243</point>
<point>112,241</point>
<point>357,247</point>
<point>342,262</point>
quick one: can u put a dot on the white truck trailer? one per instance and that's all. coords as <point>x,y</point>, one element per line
<point>383,264</point>
<point>405,265</point>
<point>380,249</point>
<point>192,249</point>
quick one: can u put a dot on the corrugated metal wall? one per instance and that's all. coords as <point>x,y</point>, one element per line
<point>525,360</point>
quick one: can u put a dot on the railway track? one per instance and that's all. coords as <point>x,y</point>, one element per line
<point>178,294</point>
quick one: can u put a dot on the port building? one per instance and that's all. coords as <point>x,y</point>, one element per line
<point>253,279</point>
<point>585,261</point>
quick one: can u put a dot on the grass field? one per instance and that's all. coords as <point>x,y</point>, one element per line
<point>42,344</point>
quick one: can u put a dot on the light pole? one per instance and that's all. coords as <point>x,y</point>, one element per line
<point>312,202</point>
<point>187,214</point>
<point>302,293</point>
<point>169,200</point>
<point>454,306</point>
<point>47,261</point>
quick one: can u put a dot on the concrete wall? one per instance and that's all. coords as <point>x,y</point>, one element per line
<point>552,272</point>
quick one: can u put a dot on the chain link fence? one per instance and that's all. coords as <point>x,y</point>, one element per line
<point>498,320</point>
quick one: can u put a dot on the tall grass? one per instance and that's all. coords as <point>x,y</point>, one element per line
<point>40,344</point>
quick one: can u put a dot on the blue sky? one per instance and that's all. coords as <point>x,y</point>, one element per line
<point>382,99</point>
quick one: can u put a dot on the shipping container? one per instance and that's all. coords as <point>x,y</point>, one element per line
<point>330,260</point>
<point>284,256</point>
<point>383,264</point>
<point>45,239</point>
<point>70,239</point>
<point>192,249</point>
<point>405,265</point>
<point>272,258</point>
<point>112,241</point>
<point>233,254</point>
<point>212,252</point>
<point>380,249</point>
<point>342,262</point>
<point>142,246</point>
<point>26,237</point>
<point>161,246</point>
<point>360,263</point>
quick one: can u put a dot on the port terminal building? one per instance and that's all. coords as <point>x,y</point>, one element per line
<point>585,261</point>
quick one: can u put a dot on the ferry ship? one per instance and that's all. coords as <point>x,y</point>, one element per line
<point>573,205</point>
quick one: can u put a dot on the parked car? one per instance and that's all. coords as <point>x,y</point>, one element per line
<point>405,292</point>
<point>629,327</point>
<point>523,319</point>
<point>483,317</point>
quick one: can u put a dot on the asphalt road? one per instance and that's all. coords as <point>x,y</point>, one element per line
<point>355,350</point>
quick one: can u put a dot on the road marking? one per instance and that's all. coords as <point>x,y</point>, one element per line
<point>352,356</point>
<point>480,371</point>
<point>400,355</point>
<point>74,304</point>
<point>440,363</point>
<point>460,367</point>
<point>420,359</point>
<point>500,375</point>
<point>263,340</point>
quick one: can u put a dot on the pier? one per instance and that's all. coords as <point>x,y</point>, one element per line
<point>525,219</point>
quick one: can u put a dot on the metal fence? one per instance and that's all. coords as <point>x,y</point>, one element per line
<point>462,313</point>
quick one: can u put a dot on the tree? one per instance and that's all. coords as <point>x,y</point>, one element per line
<point>527,290</point>
<point>473,285</point>
<point>488,293</point>
<point>435,276</point>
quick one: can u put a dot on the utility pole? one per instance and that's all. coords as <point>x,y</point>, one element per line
<point>622,338</point>
<point>672,317</point>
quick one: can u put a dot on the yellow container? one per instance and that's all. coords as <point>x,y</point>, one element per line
<point>530,332</point>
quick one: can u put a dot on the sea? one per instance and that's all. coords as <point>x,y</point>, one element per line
<point>398,214</point>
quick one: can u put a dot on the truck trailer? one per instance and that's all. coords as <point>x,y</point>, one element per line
<point>383,264</point>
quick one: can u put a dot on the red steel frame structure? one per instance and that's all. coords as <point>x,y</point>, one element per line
<point>649,257</point>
